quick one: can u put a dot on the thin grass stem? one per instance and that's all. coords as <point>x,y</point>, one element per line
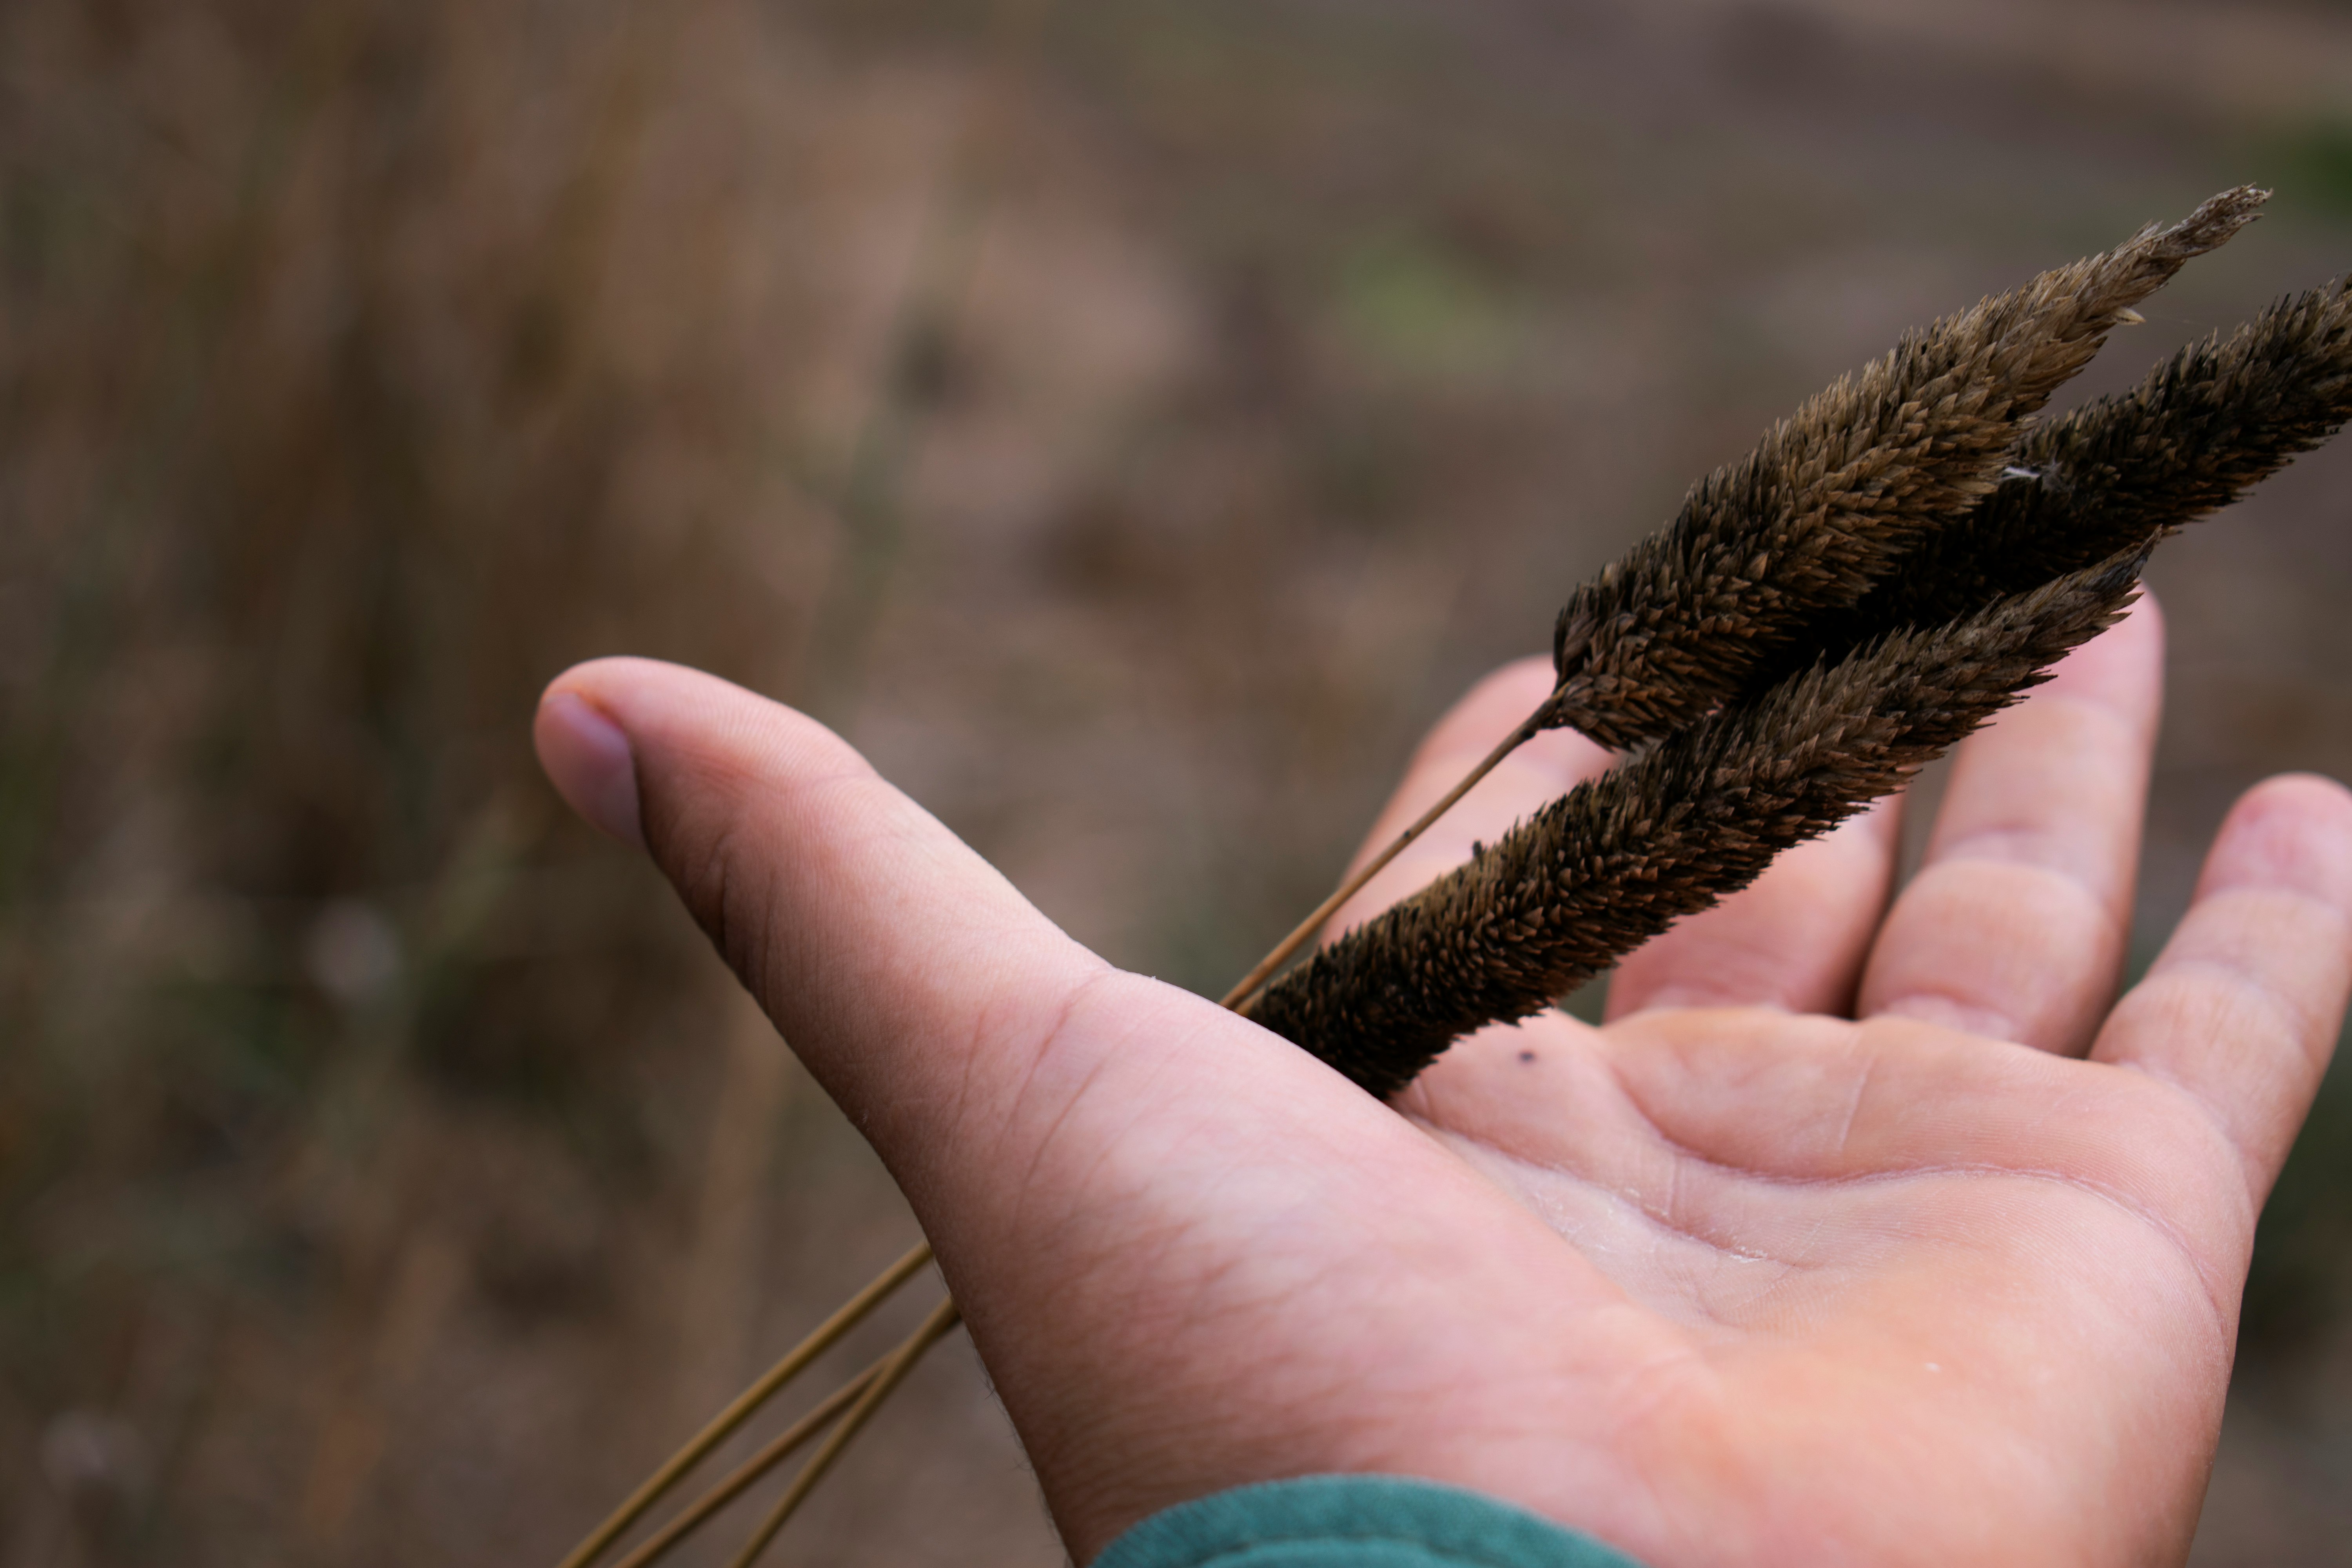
<point>851,1313</point>
<point>944,1317</point>
<point>1250,985</point>
<point>780,1448</point>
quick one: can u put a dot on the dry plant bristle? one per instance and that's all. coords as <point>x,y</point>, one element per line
<point>1832,497</point>
<point>2202,429</point>
<point>1617,859</point>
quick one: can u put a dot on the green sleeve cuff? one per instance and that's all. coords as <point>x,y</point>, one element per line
<point>1353,1522</point>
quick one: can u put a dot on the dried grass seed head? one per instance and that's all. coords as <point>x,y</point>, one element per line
<point>1616,860</point>
<point>2203,428</point>
<point>1830,500</point>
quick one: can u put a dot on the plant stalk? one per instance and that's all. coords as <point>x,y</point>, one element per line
<point>902,1361</point>
<point>1250,985</point>
<point>851,1313</point>
<point>779,1449</point>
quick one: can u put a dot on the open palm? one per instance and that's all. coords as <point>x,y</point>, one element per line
<point>1736,1278</point>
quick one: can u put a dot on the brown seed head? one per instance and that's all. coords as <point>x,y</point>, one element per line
<point>1830,500</point>
<point>1613,862</point>
<point>2203,428</point>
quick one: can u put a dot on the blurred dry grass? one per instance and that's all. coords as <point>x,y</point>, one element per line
<point>1129,422</point>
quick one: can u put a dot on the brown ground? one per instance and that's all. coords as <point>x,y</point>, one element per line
<point>1130,422</point>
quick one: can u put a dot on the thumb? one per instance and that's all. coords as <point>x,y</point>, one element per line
<point>1122,1179</point>
<point>960,1029</point>
<point>910,975</point>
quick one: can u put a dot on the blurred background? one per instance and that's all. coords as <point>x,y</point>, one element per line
<point>1131,422</point>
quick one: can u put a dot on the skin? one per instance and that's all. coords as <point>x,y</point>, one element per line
<point>1860,1234</point>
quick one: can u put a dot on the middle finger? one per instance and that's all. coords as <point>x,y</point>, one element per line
<point>1795,939</point>
<point>2016,925</point>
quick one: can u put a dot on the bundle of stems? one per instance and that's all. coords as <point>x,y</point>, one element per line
<point>1905,556</point>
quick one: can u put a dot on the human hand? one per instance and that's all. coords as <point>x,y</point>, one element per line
<point>1735,1278</point>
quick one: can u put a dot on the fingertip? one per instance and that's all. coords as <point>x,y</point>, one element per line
<point>2292,832</point>
<point>2314,793</point>
<point>1490,709</point>
<point>2123,668</point>
<point>2142,629</point>
<point>2143,617</point>
<point>588,758</point>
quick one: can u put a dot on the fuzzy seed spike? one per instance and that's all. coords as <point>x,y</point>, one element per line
<point>1616,860</point>
<point>1828,503</point>
<point>2198,433</point>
